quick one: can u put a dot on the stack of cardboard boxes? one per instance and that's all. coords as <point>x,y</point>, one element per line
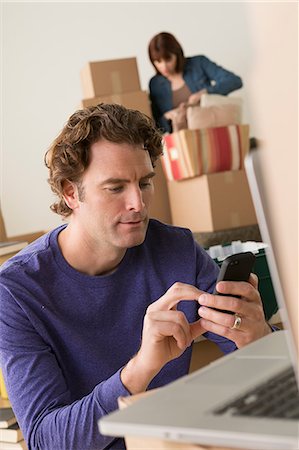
<point>114,81</point>
<point>212,201</point>
<point>117,81</point>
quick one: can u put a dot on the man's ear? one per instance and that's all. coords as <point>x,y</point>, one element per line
<point>70,194</point>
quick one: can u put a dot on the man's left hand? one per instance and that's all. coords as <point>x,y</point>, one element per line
<point>248,321</point>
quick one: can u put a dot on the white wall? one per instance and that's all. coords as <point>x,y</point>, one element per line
<point>44,46</point>
<point>273,100</point>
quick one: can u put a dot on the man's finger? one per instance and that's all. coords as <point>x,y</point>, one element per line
<point>196,329</point>
<point>176,318</point>
<point>176,293</point>
<point>239,288</point>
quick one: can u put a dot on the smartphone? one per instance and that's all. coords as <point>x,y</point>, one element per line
<point>235,267</point>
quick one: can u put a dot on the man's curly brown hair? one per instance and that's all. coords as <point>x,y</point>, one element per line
<point>68,156</point>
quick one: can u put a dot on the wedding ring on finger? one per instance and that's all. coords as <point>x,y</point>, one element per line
<point>237,323</point>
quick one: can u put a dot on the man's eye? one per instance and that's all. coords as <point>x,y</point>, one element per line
<point>115,189</point>
<point>145,185</point>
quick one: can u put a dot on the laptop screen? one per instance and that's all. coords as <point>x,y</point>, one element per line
<point>288,304</point>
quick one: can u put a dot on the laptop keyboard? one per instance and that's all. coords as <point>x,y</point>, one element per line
<point>277,397</point>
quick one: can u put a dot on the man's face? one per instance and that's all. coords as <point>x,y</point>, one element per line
<point>117,189</point>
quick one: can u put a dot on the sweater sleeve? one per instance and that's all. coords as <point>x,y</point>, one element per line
<point>224,80</point>
<point>158,111</point>
<point>37,389</point>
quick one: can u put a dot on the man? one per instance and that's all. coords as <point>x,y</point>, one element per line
<point>107,305</point>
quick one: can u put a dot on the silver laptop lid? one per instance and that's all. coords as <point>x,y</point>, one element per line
<point>254,172</point>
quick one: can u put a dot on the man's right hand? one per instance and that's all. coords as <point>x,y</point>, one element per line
<point>166,335</point>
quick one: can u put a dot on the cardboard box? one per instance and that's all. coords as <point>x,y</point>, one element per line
<point>2,228</point>
<point>204,352</point>
<point>160,206</point>
<point>3,391</point>
<point>30,237</point>
<point>115,76</point>
<point>212,202</point>
<point>189,153</point>
<point>133,100</point>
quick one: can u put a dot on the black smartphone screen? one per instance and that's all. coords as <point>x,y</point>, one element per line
<point>235,267</point>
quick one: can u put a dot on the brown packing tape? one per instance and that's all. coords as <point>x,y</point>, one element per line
<point>229,177</point>
<point>116,81</point>
<point>116,98</point>
<point>235,219</point>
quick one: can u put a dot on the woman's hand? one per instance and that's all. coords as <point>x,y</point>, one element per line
<point>170,115</point>
<point>195,98</point>
<point>178,117</point>
<point>248,322</point>
<point>173,114</point>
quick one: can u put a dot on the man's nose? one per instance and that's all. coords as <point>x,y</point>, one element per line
<point>135,200</point>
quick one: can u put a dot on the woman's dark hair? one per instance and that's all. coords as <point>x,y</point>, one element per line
<point>162,46</point>
<point>68,157</point>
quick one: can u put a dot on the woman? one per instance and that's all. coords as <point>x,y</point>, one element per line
<point>181,80</point>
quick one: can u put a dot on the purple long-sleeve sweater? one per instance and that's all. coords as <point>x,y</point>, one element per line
<point>65,336</point>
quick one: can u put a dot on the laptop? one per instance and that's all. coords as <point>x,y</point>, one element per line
<point>237,401</point>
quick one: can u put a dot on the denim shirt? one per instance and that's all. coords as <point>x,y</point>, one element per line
<point>199,73</point>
